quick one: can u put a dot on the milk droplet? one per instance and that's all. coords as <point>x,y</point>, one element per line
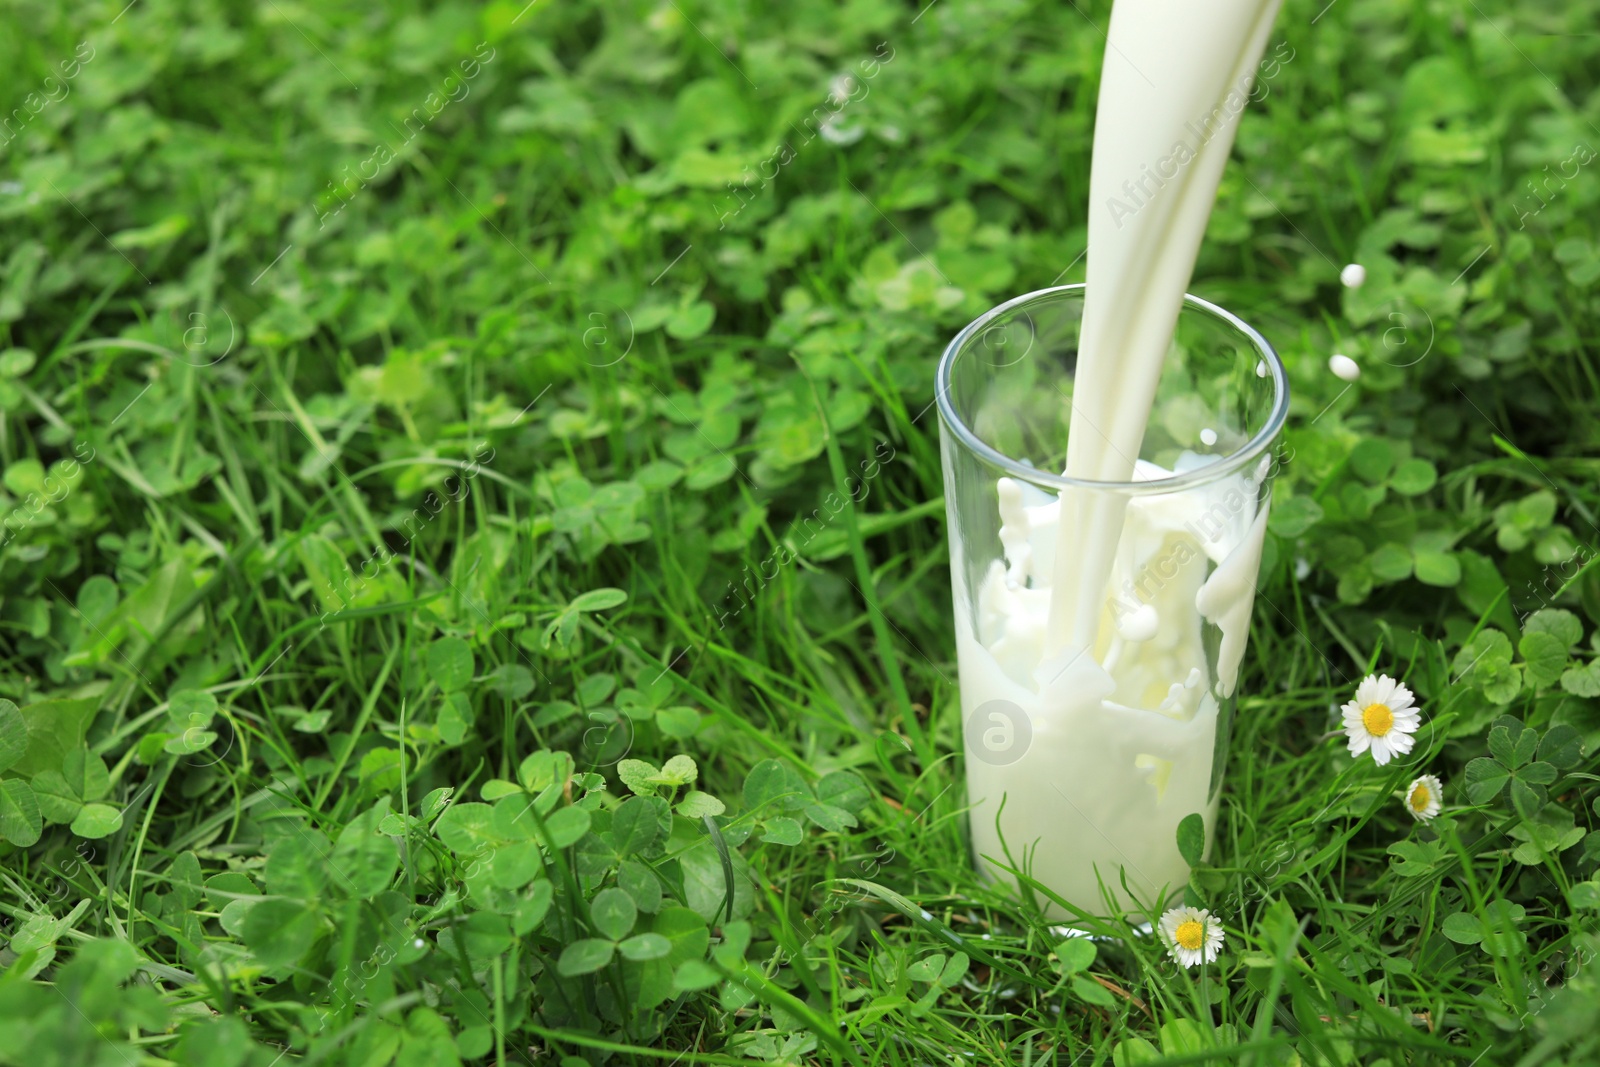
<point>419,943</point>
<point>1261,370</point>
<point>1302,568</point>
<point>1208,436</point>
<point>1140,624</point>
<point>1344,367</point>
<point>1353,275</point>
<point>837,133</point>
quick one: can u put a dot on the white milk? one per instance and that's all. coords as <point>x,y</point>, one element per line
<point>1092,626</point>
<point>1173,85</point>
<point>1123,734</point>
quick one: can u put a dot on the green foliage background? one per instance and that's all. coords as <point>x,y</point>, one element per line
<point>473,582</point>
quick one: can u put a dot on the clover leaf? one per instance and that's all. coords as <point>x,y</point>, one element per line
<point>1485,662</point>
<point>1512,766</point>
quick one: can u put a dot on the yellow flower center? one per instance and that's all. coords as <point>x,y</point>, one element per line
<point>1420,798</point>
<point>1190,934</point>
<point>1378,719</point>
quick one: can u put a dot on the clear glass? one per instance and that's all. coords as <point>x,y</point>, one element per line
<point>1084,755</point>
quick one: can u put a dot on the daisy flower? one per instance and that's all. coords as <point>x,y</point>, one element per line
<point>1423,796</point>
<point>1193,935</point>
<point>1382,717</point>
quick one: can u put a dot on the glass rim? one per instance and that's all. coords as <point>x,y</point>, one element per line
<point>1231,463</point>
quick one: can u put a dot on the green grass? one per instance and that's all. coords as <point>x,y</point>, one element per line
<point>319,503</point>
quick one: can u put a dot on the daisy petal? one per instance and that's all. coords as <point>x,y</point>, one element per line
<point>1367,691</point>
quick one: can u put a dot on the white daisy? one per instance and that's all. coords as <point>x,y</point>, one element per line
<point>1192,935</point>
<point>1423,797</point>
<point>1382,717</point>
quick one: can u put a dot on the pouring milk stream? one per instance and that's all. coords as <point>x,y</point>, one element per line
<point>1109,667</point>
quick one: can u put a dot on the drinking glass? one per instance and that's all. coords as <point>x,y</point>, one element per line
<point>1084,752</point>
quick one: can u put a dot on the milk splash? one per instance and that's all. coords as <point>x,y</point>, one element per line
<point>1124,735</point>
<point>1092,629</point>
